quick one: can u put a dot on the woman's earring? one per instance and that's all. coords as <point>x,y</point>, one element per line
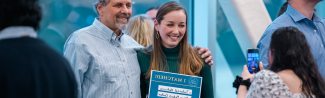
<point>157,35</point>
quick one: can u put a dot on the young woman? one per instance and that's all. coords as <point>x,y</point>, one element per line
<point>171,52</point>
<point>140,28</point>
<point>293,72</point>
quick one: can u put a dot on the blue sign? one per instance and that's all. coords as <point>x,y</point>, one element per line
<point>172,85</point>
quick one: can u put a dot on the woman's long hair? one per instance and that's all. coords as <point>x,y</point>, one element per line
<point>140,28</point>
<point>190,61</point>
<point>290,50</point>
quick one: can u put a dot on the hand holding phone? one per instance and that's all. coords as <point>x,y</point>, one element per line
<point>253,59</point>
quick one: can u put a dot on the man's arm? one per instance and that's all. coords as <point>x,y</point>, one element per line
<point>263,46</point>
<point>79,61</point>
<point>207,54</point>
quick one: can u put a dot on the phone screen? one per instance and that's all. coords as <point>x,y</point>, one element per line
<point>253,60</point>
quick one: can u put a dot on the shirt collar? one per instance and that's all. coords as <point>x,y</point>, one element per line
<point>17,32</point>
<point>106,32</point>
<point>297,16</point>
<point>316,18</point>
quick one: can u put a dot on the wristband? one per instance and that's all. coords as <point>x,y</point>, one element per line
<point>239,81</point>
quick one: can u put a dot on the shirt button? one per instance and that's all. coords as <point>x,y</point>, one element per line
<point>108,39</point>
<point>131,93</point>
<point>128,77</point>
<point>123,61</point>
<point>314,30</point>
<point>118,46</point>
<point>321,45</point>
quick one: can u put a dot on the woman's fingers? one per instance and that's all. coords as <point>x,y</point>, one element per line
<point>261,66</point>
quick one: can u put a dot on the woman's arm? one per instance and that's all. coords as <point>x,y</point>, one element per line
<point>207,82</point>
<point>242,91</point>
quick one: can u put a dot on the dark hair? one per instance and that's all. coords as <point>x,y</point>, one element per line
<point>153,8</point>
<point>290,50</point>
<point>20,13</point>
<point>283,9</point>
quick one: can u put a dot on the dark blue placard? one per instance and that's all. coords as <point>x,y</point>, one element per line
<point>172,85</point>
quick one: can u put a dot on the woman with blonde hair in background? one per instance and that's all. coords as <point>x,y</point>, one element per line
<point>140,28</point>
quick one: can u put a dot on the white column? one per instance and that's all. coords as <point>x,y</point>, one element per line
<point>248,19</point>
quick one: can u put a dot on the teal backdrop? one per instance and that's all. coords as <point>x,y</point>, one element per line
<point>63,17</point>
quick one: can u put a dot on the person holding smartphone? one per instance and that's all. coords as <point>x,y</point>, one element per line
<point>171,52</point>
<point>293,72</point>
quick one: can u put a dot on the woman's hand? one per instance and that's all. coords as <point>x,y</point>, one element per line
<point>247,75</point>
<point>242,90</point>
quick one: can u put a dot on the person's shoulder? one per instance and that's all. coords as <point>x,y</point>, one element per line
<point>143,54</point>
<point>24,42</point>
<point>38,47</point>
<point>266,76</point>
<point>269,83</point>
<point>80,36</point>
<point>143,60</point>
<point>85,30</point>
<point>205,65</point>
<point>89,28</point>
<point>130,42</point>
<point>284,20</point>
<point>128,39</point>
<point>264,73</point>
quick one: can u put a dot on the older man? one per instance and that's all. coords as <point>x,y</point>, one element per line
<point>299,14</point>
<point>104,58</point>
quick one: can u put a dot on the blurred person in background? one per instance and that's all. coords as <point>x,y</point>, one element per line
<point>55,25</point>
<point>140,28</point>
<point>171,51</point>
<point>29,68</point>
<point>151,12</point>
<point>103,58</point>
<point>299,14</point>
<point>293,72</point>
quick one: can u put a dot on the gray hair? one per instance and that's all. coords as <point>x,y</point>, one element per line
<point>102,2</point>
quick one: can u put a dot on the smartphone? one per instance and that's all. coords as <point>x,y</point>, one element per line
<point>253,59</point>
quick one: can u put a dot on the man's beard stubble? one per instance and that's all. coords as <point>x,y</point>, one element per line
<point>121,24</point>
